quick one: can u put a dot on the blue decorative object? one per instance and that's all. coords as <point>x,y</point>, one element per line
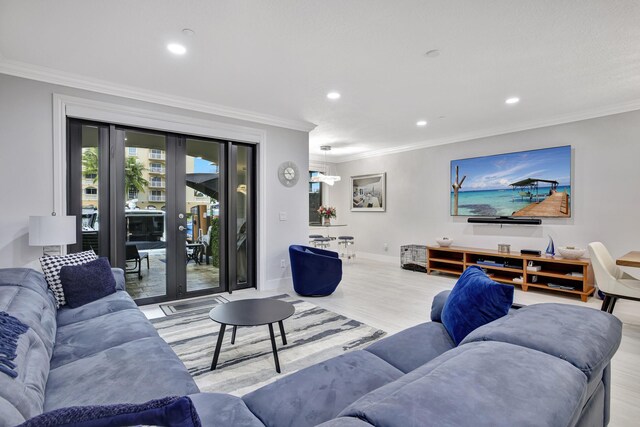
<point>315,272</point>
<point>172,411</point>
<point>551,249</point>
<point>88,282</point>
<point>474,301</point>
<point>10,331</point>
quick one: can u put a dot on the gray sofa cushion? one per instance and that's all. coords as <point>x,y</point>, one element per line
<point>10,414</point>
<point>344,422</point>
<point>109,304</point>
<point>318,393</point>
<point>413,347</point>
<point>118,274</point>
<point>133,372</point>
<point>24,295</point>
<point>497,380</point>
<point>438,304</point>
<point>585,337</point>
<point>217,409</point>
<point>26,392</point>
<point>81,339</point>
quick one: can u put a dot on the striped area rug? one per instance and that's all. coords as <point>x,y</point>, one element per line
<point>313,335</point>
<point>180,306</point>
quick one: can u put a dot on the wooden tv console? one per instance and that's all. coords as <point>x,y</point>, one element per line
<point>554,270</point>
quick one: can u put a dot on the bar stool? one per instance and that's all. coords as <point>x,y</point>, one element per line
<point>347,242</point>
<point>322,242</point>
<point>313,237</point>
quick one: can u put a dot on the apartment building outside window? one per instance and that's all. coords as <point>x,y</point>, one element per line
<point>156,196</point>
<point>91,193</point>
<point>156,182</point>
<point>315,198</point>
<point>132,193</point>
<point>156,168</point>
<point>156,154</point>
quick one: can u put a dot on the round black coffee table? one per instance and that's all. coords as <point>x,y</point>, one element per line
<point>251,312</point>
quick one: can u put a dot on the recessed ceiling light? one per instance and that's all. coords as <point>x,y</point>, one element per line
<point>421,123</point>
<point>433,53</point>
<point>513,100</point>
<point>333,95</point>
<point>176,49</point>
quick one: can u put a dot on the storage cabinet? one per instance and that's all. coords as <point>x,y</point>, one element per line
<point>551,273</point>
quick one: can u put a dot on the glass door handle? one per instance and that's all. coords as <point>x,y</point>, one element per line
<point>181,228</point>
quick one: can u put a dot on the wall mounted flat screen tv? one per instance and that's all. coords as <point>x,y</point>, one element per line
<point>532,184</point>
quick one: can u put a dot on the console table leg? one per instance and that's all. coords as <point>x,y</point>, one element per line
<point>233,335</point>
<point>214,362</point>
<point>284,337</point>
<point>273,346</point>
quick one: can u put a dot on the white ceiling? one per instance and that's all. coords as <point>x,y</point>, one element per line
<point>565,59</point>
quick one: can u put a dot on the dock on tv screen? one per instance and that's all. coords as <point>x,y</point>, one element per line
<point>530,184</point>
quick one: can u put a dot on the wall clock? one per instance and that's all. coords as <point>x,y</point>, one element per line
<point>288,174</point>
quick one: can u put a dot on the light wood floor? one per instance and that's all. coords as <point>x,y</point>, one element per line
<point>389,298</point>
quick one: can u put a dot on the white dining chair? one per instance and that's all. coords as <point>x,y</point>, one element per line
<point>610,278</point>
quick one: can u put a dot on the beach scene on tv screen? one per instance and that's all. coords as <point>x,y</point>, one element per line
<point>534,183</point>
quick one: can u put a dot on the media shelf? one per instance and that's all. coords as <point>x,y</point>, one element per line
<point>568,276</point>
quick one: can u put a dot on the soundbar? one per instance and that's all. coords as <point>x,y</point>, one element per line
<point>530,252</point>
<point>505,220</point>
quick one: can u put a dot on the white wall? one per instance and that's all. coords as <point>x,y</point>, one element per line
<point>26,132</point>
<point>605,192</point>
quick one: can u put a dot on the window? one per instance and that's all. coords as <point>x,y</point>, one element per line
<point>157,182</point>
<point>156,167</point>
<point>90,191</point>
<point>133,193</point>
<point>133,151</point>
<point>198,193</point>
<point>156,154</point>
<point>156,196</point>
<point>90,175</point>
<point>315,198</point>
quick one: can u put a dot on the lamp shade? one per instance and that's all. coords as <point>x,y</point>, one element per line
<point>52,230</point>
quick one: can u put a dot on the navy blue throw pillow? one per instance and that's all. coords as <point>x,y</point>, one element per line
<point>474,301</point>
<point>169,411</point>
<point>88,282</point>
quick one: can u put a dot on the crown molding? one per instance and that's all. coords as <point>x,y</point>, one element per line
<point>500,130</point>
<point>48,75</point>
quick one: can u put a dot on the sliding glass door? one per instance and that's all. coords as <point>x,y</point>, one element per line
<point>201,216</point>
<point>241,210</point>
<point>140,194</point>
<point>176,212</point>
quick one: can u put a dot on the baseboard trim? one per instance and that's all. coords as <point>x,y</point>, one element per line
<point>273,284</point>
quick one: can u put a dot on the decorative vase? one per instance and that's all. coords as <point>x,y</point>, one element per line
<point>551,249</point>
<point>326,221</point>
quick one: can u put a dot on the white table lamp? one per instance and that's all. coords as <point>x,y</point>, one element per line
<point>52,230</point>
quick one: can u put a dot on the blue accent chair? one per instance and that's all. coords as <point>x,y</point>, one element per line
<point>315,272</point>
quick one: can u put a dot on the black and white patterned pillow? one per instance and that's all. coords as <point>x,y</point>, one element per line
<point>51,266</point>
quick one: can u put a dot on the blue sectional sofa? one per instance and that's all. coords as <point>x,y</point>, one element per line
<point>542,365</point>
<point>101,353</point>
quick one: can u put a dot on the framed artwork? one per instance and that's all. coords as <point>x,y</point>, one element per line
<point>369,193</point>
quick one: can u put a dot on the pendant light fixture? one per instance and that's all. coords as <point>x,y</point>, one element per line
<point>325,177</point>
